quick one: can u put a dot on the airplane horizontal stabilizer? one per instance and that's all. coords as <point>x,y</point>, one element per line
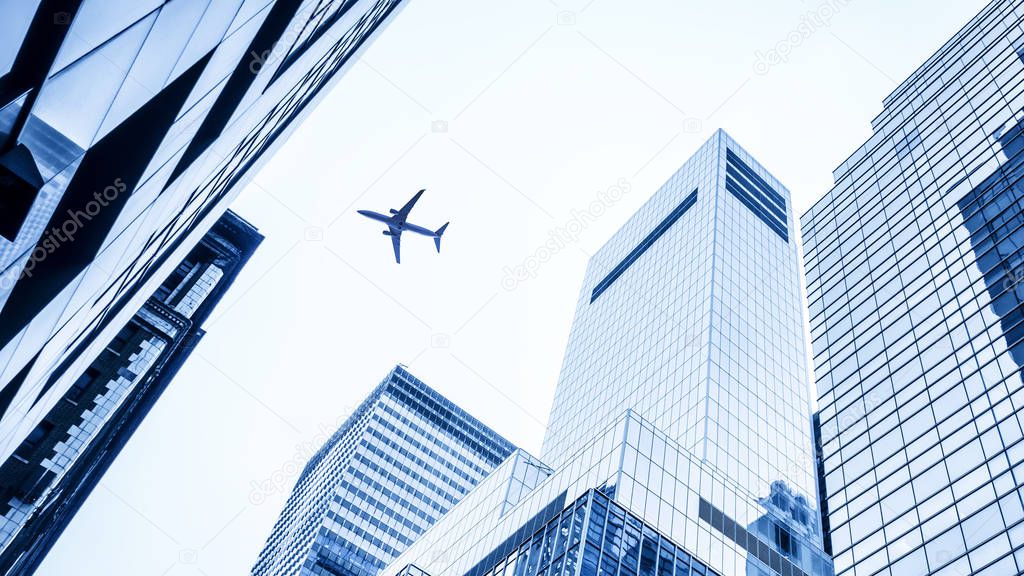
<point>437,236</point>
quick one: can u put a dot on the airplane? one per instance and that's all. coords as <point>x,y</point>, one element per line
<point>397,224</point>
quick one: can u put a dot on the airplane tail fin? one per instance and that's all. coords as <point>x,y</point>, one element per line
<point>437,236</point>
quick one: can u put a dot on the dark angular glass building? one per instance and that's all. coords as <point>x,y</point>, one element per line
<point>398,464</point>
<point>914,269</point>
<point>54,469</point>
<point>126,129</point>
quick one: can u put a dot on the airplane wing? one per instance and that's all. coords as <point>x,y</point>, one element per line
<point>404,212</point>
<point>396,241</point>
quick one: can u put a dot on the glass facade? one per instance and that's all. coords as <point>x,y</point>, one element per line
<point>913,268</point>
<point>703,334</point>
<point>400,462</point>
<point>674,493</point>
<point>55,468</point>
<point>600,537</point>
<point>126,129</point>
<point>683,395</point>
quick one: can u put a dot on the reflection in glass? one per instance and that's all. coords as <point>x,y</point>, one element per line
<point>91,83</point>
<point>790,526</point>
<point>993,212</point>
<point>96,21</point>
<point>616,543</point>
<point>152,67</point>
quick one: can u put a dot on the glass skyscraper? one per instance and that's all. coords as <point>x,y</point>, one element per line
<point>400,462</point>
<point>914,285</point>
<point>680,435</point>
<point>126,129</point>
<point>691,316</point>
<point>55,468</point>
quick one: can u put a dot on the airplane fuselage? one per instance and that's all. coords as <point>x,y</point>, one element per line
<point>397,224</point>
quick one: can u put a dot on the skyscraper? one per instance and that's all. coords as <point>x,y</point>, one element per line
<point>913,277</point>
<point>680,434</point>
<point>126,129</point>
<point>53,470</point>
<point>400,462</point>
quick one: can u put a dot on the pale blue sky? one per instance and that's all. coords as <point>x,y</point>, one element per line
<point>547,102</point>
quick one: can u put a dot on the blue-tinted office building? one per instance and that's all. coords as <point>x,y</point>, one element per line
<point>127,127</point>
<point>913,275</point>
<point>52,472</point>
<point>400,462</point>
<point>683,402</point>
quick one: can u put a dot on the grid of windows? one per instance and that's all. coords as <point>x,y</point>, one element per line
<point>143,77</point>
<point>912,263</point>
<point>750,541</point>
<point>704,334</point>
<point>324,15</point>
<point>646,243</point>
<point>601,538</point>
<point>643,344</point>
<point>56,468</point>
<point>367,495</point>
<point>645,472</point>
<point>756,194</point>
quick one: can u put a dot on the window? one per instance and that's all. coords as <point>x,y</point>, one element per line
<point>749,541</point>
<point>33,440</point>
<point>323,17</point>
<point>77,390</point>
<point>651,238</point>
<point>20,182</point>
<point>908,143</point>
<point>120,342</point>
<point>784,540</point>
<point>756,194</point>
